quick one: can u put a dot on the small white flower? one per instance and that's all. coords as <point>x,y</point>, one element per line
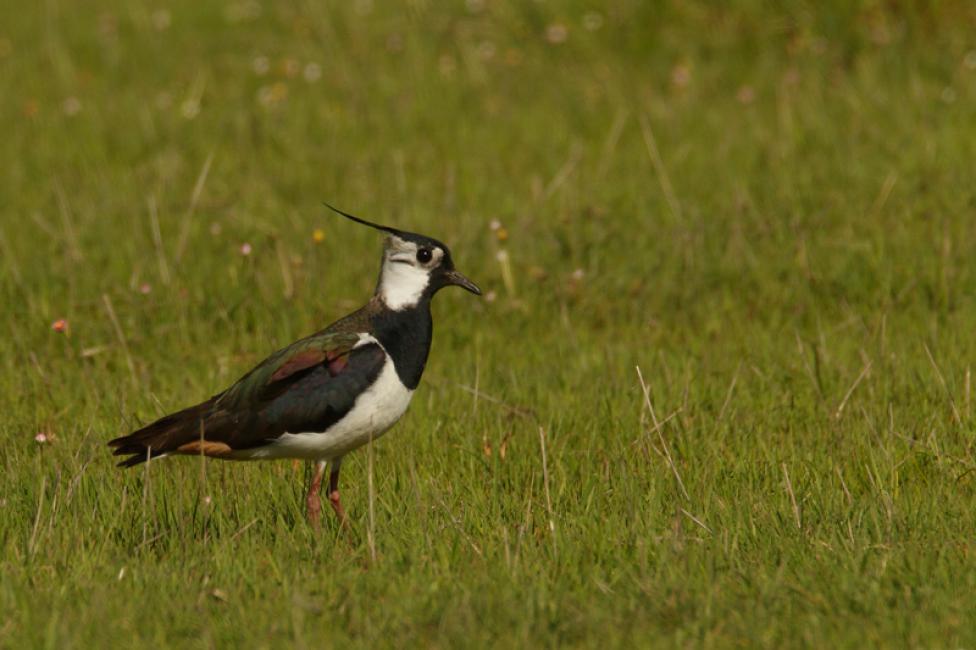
<point>273,94</point>
<point>71,106</point>
<point>446,65</point>
<point>486,50</point>
<point>160,19</point>
<point>240,11</point>
<point>394,43</point>
<point>312,72</point>
<point>190,108</point>
<point>557,33</point>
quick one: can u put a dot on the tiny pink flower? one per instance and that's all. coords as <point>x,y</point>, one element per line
<point>556,33</point>
<point>681,75</point>
<point>245,249</point>
<point>60,326</point>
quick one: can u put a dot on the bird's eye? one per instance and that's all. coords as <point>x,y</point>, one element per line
<point>424,255</point>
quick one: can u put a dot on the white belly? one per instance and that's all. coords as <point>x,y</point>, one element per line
<point>375,411</point>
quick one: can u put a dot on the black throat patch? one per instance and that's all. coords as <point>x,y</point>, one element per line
<point>406,335</point>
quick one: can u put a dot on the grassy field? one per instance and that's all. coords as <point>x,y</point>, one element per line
<point>768,208</point>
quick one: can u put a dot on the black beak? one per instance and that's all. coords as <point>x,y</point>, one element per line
<point>456,278</point>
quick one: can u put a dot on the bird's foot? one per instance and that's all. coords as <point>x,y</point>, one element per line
<point>313,507</point>
<point>337,507</point>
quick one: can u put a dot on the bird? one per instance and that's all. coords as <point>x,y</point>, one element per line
<point>329,393</point>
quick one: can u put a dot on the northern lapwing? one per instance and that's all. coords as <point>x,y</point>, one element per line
<point>327,394</point>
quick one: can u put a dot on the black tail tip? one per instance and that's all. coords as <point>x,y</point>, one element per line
<point>136,452</point>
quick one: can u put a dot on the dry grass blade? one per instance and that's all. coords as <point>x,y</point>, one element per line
<point>371,529</point>
<point>610,143</point>
<point>31,548</point>
<point>145,497</point>
<point>670,416</point>
<point>515,410</point>
<point>728,394</point>
<point>120,335</point>
<point>545,485</point>
<point>886,187</point>
<point>843,485</point>
<point>244,528</point>
<point>457,525</point>
<point>572,160</point>
<point>945,385</point>
<point>789,490</point>
<point>696,520</point>
<point>662,173</point>
<point>157,237</point>
<point>850,391</point>
<point>71,236</point>
<point>194,199</point>
<point>660,435</point>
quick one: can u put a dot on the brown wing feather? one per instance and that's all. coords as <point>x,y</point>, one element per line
<point>301,361</point>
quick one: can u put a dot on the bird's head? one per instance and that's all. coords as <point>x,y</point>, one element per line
<point>414,267</point>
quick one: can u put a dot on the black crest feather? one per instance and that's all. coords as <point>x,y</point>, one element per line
<point>392,231</point>
<point>421,240</point>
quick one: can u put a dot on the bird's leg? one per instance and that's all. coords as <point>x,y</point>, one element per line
<point>334,493</point>
<point>313,505</point>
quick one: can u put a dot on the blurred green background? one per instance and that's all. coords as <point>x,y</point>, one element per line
<point>767,207</point>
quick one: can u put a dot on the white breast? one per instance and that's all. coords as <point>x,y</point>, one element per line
<point>402,285</point>
<point>375,410</point>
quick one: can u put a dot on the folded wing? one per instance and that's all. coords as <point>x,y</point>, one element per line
<point>305,387</point>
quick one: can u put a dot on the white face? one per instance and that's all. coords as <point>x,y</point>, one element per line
<point>404,277</point>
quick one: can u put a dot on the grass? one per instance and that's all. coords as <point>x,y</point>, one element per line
<point>767,209</point>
